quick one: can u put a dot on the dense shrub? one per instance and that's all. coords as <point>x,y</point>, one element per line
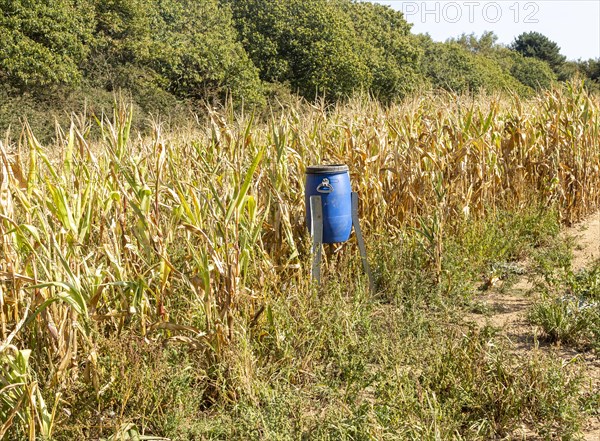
<point>536,45</point>
<point>43,42</point>
<point>392,53</point>
<point>310,44</point>
<point>532,72</point>
<point>451,67</point>
<point>186,48</point>
<point>167,52</point>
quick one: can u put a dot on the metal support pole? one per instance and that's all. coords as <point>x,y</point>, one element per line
<point>316,231</point>
<point>361,241</point>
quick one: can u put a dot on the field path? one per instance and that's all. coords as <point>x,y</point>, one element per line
<point>508,312</point>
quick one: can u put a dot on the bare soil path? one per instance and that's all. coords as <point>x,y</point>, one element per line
<point>507,310</point>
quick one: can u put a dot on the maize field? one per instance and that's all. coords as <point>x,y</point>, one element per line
<point>178,236</point>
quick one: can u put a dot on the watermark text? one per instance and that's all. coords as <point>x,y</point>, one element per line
<point>455,12</point>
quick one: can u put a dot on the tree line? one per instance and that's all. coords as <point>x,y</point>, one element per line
<point>169,51</point>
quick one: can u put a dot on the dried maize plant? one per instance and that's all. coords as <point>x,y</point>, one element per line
<point>7,256</point>
<point>21,402</point>
<point>491,151</point>
<point>216,205</point>
<point>9,264</point>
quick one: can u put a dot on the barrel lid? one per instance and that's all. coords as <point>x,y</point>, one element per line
<point>326,168</point>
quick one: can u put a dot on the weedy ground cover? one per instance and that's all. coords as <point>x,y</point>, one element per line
<point>160,285</point>
<point>569,308</point>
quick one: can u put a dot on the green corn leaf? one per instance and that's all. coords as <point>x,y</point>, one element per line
<point>245,186</point>
<point>61,209</point>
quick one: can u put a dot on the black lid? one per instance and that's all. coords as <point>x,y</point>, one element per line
<point>326,168</point>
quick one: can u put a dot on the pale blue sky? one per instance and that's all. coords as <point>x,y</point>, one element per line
<point>573,25</point>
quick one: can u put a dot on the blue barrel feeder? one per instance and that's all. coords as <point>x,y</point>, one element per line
<point>332,183</point>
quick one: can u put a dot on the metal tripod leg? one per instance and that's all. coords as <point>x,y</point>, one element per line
<point>316,231</point>
<point>361,241</point>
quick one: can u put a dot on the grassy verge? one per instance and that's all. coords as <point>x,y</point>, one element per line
<point>568,311</point>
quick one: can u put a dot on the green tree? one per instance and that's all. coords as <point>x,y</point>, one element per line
<point>454,67</point>
<point>44,42</point>
<point>536,45</point>
<point>392,53</point>
<point>123,29</point>
<point>187,48</point>
<point>195,48</point>
<point>586,70</point>
<point>485,44</point>
<point>450,66</point>
<point>532,72</point>
<point>310,44</point>
<point>591,68</point>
